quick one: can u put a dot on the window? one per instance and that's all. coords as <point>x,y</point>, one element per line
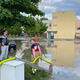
<point>55,17</point>
<point>77,48</point>
<point>50,24</point>
<point>54,59</point>
<point>49,50</point>
<point>12,42</point>
<point>78,28</point>
<point>54,25</point>
<point>54,52</point>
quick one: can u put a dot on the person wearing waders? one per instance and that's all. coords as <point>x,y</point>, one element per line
<point>4,45</point>
<point>35,52</point>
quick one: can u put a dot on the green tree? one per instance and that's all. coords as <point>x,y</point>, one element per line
<point>43,27</point>
<point>43,18</point>
<point>14,31</point>
<point>37,29</point>
<point>10,13</point>
<point>33,30</point>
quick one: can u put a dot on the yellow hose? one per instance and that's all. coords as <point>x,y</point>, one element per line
<point>27,61</point>
<point>38,58</point>
<point>7,60</point>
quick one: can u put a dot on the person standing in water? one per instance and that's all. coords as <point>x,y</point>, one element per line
<point>4,45</point>
<point>35,51</point>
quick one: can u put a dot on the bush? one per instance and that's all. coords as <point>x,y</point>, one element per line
<point>40,75</point>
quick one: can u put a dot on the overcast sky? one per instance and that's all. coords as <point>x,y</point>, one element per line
<point>49,6</point>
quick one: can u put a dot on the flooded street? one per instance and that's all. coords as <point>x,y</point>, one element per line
<point>64,55</point>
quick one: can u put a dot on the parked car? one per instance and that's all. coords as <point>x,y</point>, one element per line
<point>12,45</point>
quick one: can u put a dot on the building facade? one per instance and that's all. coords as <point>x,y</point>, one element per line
<point>63,26</point>
<point>77,29</point>
<point>48,23</point>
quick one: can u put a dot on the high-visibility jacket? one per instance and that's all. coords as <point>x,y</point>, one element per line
<point>36,48</point>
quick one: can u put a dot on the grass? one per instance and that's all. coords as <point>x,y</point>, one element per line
<point>40,75</point>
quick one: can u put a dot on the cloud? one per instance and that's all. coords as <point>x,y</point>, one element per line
<point>49,6</point>
<point>72,1</point>
<point>49,9</point>
<point>49,16</point>
<point>24,14</point>
<point>78,17</point>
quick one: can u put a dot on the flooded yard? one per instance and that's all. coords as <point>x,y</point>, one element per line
<point>64,55</point>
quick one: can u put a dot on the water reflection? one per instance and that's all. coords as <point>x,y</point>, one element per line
<point>77,49</point>
<point>27,52</point>
<point>19,43</point>
<point>18,48</point>
<point>66,65</point>
<point>62,52</point>
<point>12,53</point>
<point>64,55</point>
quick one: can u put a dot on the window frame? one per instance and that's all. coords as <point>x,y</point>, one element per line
<point>54,25</point>
<point>50,24</point>
<point>55,17</point>
<point>78,27</point>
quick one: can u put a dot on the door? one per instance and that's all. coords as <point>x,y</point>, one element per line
<point>52,36</point>
<point>49,35</point>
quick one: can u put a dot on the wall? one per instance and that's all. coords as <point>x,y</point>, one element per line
<point>77,32</point>
<point>65,25</point>
<point>47,21</point>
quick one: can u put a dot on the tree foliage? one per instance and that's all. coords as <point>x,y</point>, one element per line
<point>38,28</point>
<point>10,13</point>
<point>14,31</point>
<point>43,18</point>
<point>43,27</point>
<point>33,30</point>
